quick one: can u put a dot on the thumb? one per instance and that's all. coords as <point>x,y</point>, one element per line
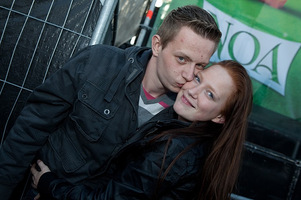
<point>44,168</point>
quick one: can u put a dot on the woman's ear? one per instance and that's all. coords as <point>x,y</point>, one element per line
<point>156,45</point>
<point>220,119</point>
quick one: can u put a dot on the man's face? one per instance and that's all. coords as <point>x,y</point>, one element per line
<point>182,58</point>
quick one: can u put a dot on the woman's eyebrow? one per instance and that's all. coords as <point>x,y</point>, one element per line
<point>202,77</point>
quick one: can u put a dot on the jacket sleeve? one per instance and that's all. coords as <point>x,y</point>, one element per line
<point>44,111</point>
<point>136,180</point>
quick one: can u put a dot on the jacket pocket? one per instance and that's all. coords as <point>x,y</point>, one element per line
<point>66,151</point>
<point>92,113</point>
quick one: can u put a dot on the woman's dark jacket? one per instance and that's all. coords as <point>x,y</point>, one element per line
<point>79,118</point>
<point>133,173</point>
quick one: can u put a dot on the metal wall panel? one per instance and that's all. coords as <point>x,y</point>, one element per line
<point>36,39</point>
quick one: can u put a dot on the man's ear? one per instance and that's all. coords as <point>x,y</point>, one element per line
<point>220,119</point>
<point>156,45</point>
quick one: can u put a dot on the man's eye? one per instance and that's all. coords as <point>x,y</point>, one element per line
<point>181,59</point>
<point>197,79</point>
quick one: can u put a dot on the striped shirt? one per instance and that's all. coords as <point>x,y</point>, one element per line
<point>150,106</point>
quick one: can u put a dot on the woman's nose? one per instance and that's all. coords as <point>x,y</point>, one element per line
<point>194,91</point>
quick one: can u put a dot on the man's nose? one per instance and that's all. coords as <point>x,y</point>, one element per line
<point>188,73</point>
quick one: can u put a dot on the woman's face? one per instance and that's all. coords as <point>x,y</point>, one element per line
<point>204,97</point>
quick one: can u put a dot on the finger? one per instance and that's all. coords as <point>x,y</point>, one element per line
<point>34,182</point>
<point>33,185</point>
<point>33,169</point>
<point>37,197</point>
<point>43,167</point>
<point>41,164</point>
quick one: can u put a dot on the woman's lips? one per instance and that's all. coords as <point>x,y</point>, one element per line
<point>186,101</point>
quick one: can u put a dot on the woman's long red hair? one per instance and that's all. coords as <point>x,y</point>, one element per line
<point>222,166</point>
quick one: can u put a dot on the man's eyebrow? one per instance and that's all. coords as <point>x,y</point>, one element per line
<point>189,59</point>
<point>184,56</point>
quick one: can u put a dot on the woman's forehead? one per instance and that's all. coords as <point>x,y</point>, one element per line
<point>218,78</point>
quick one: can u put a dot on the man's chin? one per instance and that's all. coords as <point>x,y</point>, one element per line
<point>175,89</point>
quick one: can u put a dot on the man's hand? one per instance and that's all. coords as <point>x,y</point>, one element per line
<point>36,175</point>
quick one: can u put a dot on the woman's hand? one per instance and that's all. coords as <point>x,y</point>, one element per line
<point>36,175</point>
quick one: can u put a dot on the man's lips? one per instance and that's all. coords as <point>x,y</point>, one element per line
<point>186,101</point>
<point>180,85</point>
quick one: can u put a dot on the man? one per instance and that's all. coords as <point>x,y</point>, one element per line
<point>87,111</point>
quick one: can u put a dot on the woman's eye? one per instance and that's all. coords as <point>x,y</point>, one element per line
<point>197,79</point>
<point>199,66</point>
<point>210,94</point>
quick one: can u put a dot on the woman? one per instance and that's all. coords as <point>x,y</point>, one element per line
<point>177,159</point>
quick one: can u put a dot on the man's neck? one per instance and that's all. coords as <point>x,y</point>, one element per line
<point>151,82</point>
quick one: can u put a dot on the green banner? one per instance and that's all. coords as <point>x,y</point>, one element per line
<point>265,37</point>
